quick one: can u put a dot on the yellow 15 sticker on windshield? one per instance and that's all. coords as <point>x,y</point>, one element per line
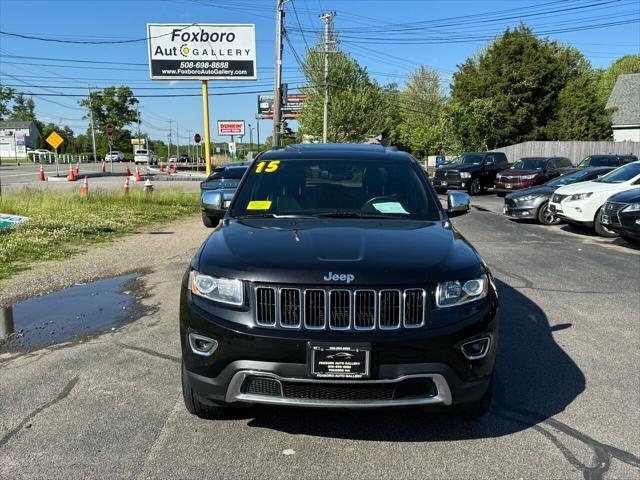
<point>268,167</point>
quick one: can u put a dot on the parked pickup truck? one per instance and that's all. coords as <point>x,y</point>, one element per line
<point>145,157</point>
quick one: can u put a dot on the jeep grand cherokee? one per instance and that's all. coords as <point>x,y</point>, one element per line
<point>335,279</point>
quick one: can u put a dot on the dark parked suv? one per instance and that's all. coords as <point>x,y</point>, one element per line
<point>335,279</point>
<point>473,172</point>
<point>621,213</point>
<point>607,160</point>
<point>530,171</point>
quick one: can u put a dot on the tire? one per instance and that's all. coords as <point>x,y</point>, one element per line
<point>475,188</point>
<point>208,221</point>
<point>501,194</point>
<point>545,217</point>
<point>474,410</point>
<point>195,406</point>
<point>601,229</point>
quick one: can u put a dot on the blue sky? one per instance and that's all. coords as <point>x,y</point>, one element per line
<point>391,38</point>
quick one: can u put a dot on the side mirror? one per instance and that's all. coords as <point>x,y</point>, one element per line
<point>457,203</point>
<point>212,205</point>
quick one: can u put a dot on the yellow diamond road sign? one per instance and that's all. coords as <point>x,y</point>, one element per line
<point>55,140</point>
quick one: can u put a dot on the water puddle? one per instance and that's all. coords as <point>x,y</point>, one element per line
<point>73,312</point>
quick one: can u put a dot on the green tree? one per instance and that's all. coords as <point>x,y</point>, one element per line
<point>6,96</point>
<point>581,112</point>
<point>355,100</point>
<point>23,109</point>
<point>421,104</point>
<point>518,78</point>
<point>607,79</point>
<point>114,105</point>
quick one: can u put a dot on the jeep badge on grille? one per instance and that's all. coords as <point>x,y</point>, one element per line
<point>339,277</point>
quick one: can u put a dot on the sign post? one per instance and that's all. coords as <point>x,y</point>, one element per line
<point>202,52</point>
<point>55,141</point>
<point>197,138</point>
<point>110,134</point>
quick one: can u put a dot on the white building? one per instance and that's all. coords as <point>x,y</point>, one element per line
<point>16,138</point>
<point>625,98</point>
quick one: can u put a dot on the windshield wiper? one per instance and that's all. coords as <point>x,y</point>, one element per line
<point>339,214</point>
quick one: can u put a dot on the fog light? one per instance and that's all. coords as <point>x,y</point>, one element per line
<point>202,345</point>
<point>476,349</point>
<point>578,209</point>
<point>464,184</point>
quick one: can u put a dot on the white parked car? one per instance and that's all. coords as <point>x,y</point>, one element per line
<point>114,156</point>
<point>581,203</point>
<point>145,156</point>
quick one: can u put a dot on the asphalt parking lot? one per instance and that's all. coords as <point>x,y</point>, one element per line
<point>565,406</point>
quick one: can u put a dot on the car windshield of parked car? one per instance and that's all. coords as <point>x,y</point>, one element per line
<point>529,164</point>
<point>349,188</point>
<point>141,152</point>
<point>598,162</point>
<point>228,173</point>
<point>622,174</point>
<point>467,159</point>
<point>567,179</point>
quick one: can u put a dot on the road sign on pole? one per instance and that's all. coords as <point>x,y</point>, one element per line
<point>197,138</point>
<point>54,139</point>
<point>109,130</point>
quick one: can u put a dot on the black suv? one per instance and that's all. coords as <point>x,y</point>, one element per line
<point>335,279</point>
<point>621,213</point>
<point>473,172</point>
<point>607,160</point>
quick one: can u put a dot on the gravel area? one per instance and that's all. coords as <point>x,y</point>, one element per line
<point>138,252</point>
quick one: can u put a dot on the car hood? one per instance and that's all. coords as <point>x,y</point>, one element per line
<point>519,173</point>
<point>388,252</point>
<point>539,190</point>
<point>630,196</point>
<point>459,168</point>
<point>595,187</point>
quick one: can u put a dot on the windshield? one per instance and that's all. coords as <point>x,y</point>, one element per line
<point>622,174</point>
<point>468,159</point>
<point>529,164</point>
<point>335,188</point>
<point>598,162</point>
<point>141,152</point>
<point>231,173</point>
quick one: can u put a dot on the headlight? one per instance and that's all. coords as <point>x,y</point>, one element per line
<point>223,290</point>
<point>529,177</point>
<point>579,196</point>
<point>465,175</point>
<point>632,207</point>
<point>451,294</point>
<point>526,198</point>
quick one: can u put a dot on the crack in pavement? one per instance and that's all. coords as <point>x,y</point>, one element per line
<point>61,396</point>
<point>603,453</point>
<point>148,351</point>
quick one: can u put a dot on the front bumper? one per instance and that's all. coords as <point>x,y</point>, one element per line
<point>626,224</point>
<point>461,184</point>
<point>428,356</point>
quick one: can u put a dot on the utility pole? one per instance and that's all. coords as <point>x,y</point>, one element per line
<point>93,130</point>
<point>169,147</point>
<point>327,18</point>
<point>177,141</point>
<point>278,74</point>
<point>189,144</point>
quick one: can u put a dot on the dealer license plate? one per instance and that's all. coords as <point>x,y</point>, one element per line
<point>339,361</point>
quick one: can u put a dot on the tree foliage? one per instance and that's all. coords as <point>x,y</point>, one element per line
<point>6,96</point>
<point>23,109</point>
<point>607,78</point>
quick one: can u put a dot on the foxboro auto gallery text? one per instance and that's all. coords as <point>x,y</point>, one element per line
<point>202,36</point>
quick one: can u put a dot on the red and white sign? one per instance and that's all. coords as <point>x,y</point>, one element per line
<point>197,138</point>
<point>231,127</point>
<point>109,129</point>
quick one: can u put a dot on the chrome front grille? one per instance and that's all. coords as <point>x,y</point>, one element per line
<point>611,210</point>
<point>340,309</point>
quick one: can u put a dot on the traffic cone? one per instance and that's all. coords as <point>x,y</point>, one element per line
<point>175,167</point>
<point>161,167</point>
<point>41,174</point>
<point>72,176</point>
<point>125,187</point>
<point>138,176</point>
<point>77,168</point>
<point>148,186</point>
<point>103,167</point>
<point>84,191</point>
<point>128,171</point>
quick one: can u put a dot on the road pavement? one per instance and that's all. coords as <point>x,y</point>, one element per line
<point>566,401</point>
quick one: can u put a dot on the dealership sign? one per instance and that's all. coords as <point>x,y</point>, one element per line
<point>291,109</point>
<point>202,51</point>
<point>231,127</point>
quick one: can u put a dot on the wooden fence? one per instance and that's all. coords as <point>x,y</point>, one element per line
<point>575,151</point>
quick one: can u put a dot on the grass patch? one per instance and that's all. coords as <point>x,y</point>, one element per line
<point>61,223</point>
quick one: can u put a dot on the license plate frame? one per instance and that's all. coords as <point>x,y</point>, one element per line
<point>336,361</point>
